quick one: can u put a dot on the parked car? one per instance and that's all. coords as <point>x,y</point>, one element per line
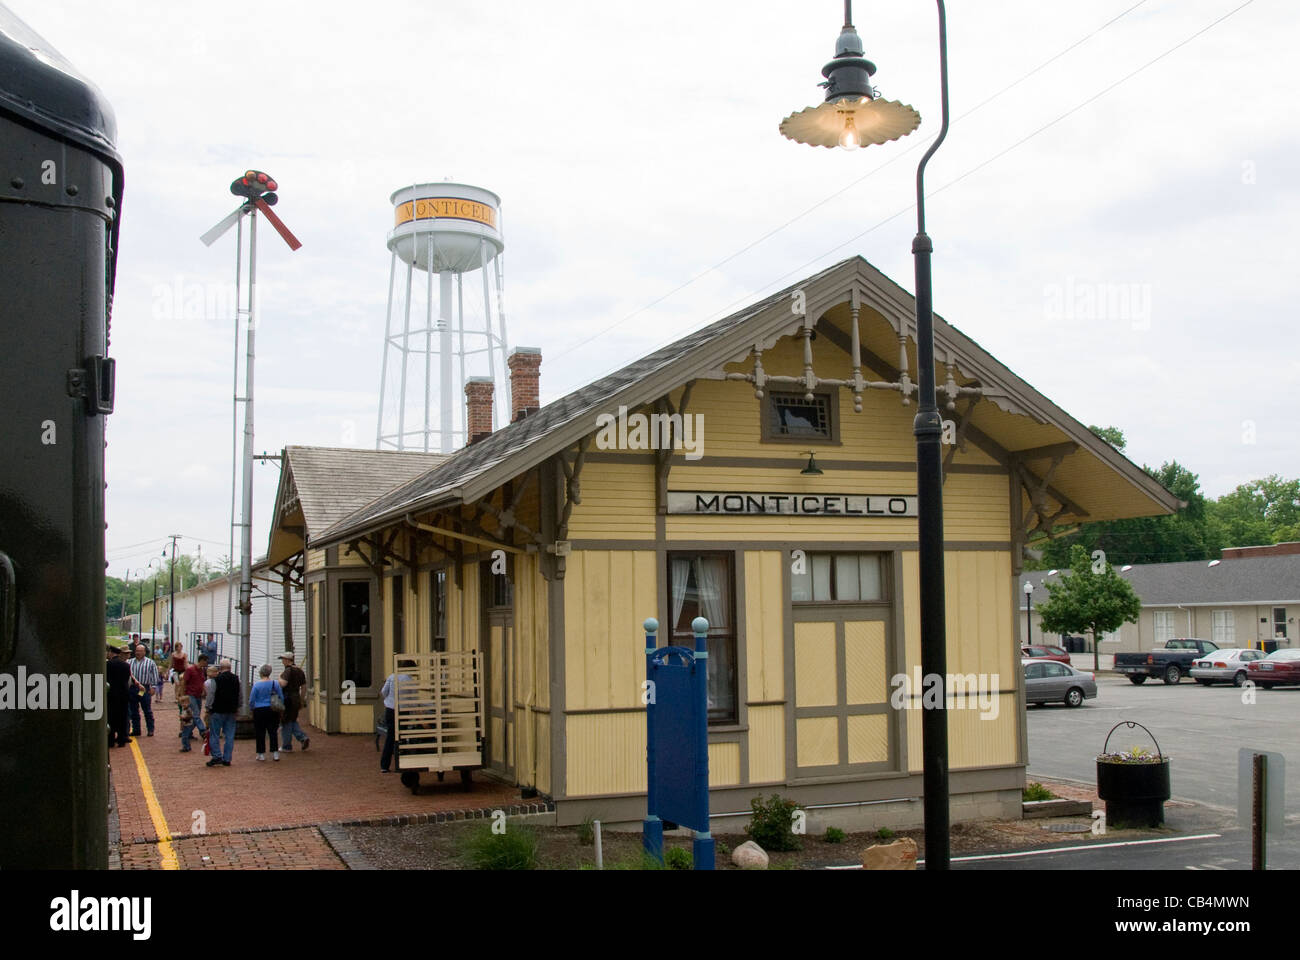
<point>1170,663</point>
<point>1279,668</point>
<point>1044,652</point>
<point>1226,665</point>
<point>1050,681</point>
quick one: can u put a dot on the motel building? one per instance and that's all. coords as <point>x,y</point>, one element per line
<point>774,494</point>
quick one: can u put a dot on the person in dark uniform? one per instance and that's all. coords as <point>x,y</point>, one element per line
<point>118,678</point>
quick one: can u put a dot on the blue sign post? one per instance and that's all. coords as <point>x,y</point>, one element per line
<point>677,742</point>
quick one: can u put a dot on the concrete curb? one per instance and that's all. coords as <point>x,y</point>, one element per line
<point>344,848</point>
<point>114,827</point>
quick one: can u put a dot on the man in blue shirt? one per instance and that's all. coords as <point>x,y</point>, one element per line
<point>389,693</point>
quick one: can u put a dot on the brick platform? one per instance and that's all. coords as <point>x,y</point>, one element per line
<point>265,815</point>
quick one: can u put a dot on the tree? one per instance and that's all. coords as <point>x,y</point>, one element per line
<point>1112,435</point>
<point>1260,512</point>
<point>1092,598</point>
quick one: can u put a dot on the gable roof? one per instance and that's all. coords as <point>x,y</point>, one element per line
<point>329,484</point>
<point>1252,580</point>
<point>478,469</point>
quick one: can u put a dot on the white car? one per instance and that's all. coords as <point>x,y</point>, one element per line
<point>1225,666</point>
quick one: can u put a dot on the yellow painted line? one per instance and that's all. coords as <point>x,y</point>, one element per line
<point>165,848</point>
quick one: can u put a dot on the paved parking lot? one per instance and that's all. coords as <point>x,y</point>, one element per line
<point>1201,728</point>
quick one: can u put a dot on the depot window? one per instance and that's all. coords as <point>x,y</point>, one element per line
<point>838,578</point>
<point>703,585</point>
<point>793,417</point>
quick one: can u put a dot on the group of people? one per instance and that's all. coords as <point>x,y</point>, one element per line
<point>207,697</point>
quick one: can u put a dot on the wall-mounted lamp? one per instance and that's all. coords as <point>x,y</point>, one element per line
<point>812,470</point>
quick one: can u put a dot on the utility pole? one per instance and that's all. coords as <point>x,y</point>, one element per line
<point>171,604</point>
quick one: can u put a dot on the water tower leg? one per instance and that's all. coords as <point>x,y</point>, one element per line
<point>460,351</point>
<point>505,344</point>
<point>406,347</point>
<point>428,345</point>
<point>388,333</point>
<point>444,358</point>
<point>492,342</point>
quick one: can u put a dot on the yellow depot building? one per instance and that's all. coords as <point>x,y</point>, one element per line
<point>760,472</point>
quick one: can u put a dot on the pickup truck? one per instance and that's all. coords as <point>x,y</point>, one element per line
<point>1170,663</point>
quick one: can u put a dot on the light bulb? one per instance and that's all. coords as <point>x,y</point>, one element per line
<point>849,138</point>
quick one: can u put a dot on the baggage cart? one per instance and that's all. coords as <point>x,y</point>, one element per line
<point>438,714</point>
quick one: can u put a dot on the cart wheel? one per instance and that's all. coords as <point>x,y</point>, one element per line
<point>466,777</point>
<point>411,778</point>
<point>441,774</point>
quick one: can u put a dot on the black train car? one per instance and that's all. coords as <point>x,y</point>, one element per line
<point>60,199</point>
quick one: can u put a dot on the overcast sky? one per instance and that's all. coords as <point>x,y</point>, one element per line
<point>1119,232</point>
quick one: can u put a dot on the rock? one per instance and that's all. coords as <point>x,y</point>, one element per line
<point>899,855</point>
<point>750,856</point>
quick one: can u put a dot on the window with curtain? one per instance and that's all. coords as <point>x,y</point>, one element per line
<point>702,585</point>
<point>839,578</point>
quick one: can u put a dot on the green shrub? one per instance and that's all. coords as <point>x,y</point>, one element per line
<point>516,849</point>
<point>721,849</point>
<point>884,833</point>
<point>1036,791</point>
<point>675,858</point>
<point>834,835</point>
<point>771,823</point>
<point>587,831</point>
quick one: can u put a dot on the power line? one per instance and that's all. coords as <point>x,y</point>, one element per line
<point>980,166</point>
<point>854,183</point>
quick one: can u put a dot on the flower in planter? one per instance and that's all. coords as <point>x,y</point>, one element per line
<point>1132,755</point>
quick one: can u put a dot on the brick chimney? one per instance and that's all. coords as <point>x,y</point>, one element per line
<point>478,408</point>
<point>525,364</point>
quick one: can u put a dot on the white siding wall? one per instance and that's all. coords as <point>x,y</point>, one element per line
<point>203,609</point>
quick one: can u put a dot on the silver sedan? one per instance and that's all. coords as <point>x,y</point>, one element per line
<point>1225,666</point>
<point>1049,681</point>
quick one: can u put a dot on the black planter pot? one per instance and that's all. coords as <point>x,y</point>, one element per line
<point>1135,793</point>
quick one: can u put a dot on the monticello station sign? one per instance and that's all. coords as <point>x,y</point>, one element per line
<point>744,504</point>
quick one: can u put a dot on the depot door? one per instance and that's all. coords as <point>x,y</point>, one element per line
<point>844,657</point>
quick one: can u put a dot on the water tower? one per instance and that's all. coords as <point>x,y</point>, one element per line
<point>448,229</point>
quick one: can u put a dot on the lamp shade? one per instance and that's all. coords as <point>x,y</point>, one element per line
<point>851,122</point>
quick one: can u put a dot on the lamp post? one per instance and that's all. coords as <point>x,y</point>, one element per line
<point>171,604</point>
<point>153,626</point>
<point>853,116</point>
<point>1029,614</point>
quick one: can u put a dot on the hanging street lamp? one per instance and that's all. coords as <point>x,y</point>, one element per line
<point>853,116</point>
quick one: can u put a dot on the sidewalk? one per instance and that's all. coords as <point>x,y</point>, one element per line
<point>179,813</point>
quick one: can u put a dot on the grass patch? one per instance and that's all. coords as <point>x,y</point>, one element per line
<point>515,849</point>
<point>1035,792</point>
